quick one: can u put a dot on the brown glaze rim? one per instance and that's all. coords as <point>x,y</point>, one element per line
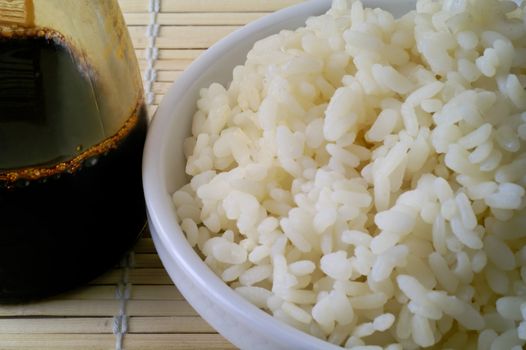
<point>19,32</point>
<point>70,166</point>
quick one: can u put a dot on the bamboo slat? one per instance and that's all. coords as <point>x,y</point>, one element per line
<point>57,341</point>
<point>168,324</point>
<point>162,87</point>
<point>195,19</point>
<point>92,293</point>
<point>167,54</point>
<point>57,307</point>
<point>77,325</point>
<point>134,276</point>
<point>104,325</point>
<point>147,260</point>
<point>208,5</point>
<point>163,65</point>
<point>176,342</point>
<point>159,308</point>
<point>168,76</point>
<point>156,292</point>
<point>107,341</point>
<point>138,292</point>
<point>149,276</point>
<point>93,308</point>
<point>181,37</point>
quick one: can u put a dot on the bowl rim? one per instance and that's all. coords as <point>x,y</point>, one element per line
<point>158,200</point>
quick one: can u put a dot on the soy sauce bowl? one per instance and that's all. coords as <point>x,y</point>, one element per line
<point>236,319</point>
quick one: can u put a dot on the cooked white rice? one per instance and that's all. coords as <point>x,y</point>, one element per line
<point>363,177</point>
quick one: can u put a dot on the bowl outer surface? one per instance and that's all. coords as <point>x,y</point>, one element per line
<point>236,319</point>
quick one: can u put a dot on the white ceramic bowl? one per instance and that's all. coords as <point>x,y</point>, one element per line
<point>163,172</point>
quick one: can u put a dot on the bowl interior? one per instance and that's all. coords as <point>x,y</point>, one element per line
<point>216,65</point>
<point>164,161</point>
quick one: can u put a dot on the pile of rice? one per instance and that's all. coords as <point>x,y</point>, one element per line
<point>363,177</point>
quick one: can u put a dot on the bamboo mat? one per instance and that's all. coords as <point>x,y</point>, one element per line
<point>135,305</point>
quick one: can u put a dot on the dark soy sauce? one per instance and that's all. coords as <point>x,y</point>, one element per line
<point>71,200</point>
